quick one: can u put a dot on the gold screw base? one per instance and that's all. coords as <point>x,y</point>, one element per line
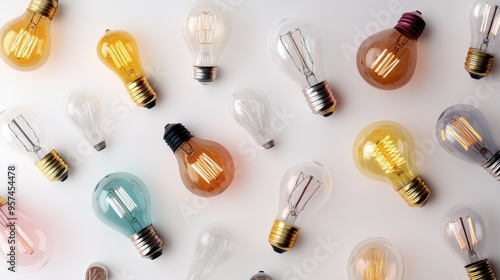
<point>142,93</point>
<point>148,243</point>
<point>320,99</point>
<point>478,63</point>
<point>480,270</point>
<point>46,8</point>
<point>282,237</point>
<point>416,193</point>
<point>53,167</point>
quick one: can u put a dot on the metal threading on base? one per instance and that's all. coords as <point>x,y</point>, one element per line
<point>261,276</point>
<point>480,270</point>
<point>175,134</point>
<point>416,193</point>
<point>282,237</point>
<point>268,145</point>
<point>478,63</point>
<point>100,146</point>
<point>205,74</point>
<point>46,8</point>
<point>320,98</point>
<point>148,243</point>
<point>96,272</point>
<point>142,93</point>
<point>411,25</point>
<point>53,167</point>
<point>493,165</point>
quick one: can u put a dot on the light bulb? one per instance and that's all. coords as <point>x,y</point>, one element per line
<point>215,243</point>
<point>305,187</point>
<point>206,30</point>
<point>82,109</point>
<point>118,51</point>
<point>121,201</point>
<point>22,131</point>
<point>464,231</point>
<point>26,39</point>
<point>387,59</point>
<point>24,242</point>
<point>96,271</point>
<point>206,167</point>
<point>375,259</point>
<point>484,19</point>
<point>295,47</point>
<point>385,151</point>
<point>261,276</point>
<point>251,109</point>
<point>464,132</point>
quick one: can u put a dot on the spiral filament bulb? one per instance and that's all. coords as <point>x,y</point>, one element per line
<point>294,44</point>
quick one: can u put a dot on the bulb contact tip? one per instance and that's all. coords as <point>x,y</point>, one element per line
<point>480,270</point>
<point>148,243</point>
<point>46,8</point>
<point>282,237</point>
<point>100,146</point>
<point>478,63</point>
<point>268,145</point>
<point>205,74</point>
<point>320,98</point>
<point>53,167</point>
<point>142,93</point>
<point>416,193</point>
<point>493,166</point>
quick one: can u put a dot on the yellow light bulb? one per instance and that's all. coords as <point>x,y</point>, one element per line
<point>384,151</point>
<point>118,51</point>
<point>26,39</point>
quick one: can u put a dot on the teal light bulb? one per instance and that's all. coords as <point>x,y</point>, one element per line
<point>121,201</point>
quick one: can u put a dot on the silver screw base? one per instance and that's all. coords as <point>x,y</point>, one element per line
<point>205,74</point>
<point>493,165</point>
<point>148,243</point>
<point>320,99</point>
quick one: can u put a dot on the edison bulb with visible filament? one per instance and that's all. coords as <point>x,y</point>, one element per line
<point>385,151</point>
<point>261,276</point>
<point>305,187</point>
<point>464,132</point>
<point>387,59</point>
<point>484,19</point>
<point>121,201</point>
<point>375,259</point>
<point>206,29</point>
<point>118,50</point>
<point>22,131</point>
<point>26,39</point>
<point>82,108</point>
<point>464,231</point>
<point>295,47</point>
<point>215,243</point>
<point>32,243</point>
<point>251,109</point>
<point>206,167</point>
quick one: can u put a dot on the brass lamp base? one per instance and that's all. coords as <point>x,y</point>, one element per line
<point>53,167</point>
<point>480,270</point>
<point>416,193</point>
<point>142,93</point>
<point>478,63</point>
<point>282,237</point>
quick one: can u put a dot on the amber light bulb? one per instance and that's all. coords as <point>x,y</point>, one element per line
<point>206,167</point>
<point>387,59</point>
<point>118,50</point>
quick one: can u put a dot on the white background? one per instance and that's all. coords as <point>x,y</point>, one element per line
<point>358,208</point>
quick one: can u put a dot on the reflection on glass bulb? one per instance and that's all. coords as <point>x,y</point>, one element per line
<point>32,247</point>
<point>261,276</point>
<point>214,245</point>
<point>121,201</point>
<point>26,39</point>
<point>464,132</point>
<point>484,16</point>
<point>375,259</point>
<point>118,51</point>
<point>385,151</point>
<point>294,45</point>
<point>206,30</point>
<point>305,187</point>
<point>206,167</point>
<point>22,131</point>
<point>82,109</point>
<point>251,109</point>
<point>387,59</point>
<point>464,229</point>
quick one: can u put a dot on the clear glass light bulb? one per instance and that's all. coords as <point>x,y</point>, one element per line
<point>206,29</point>
<point>385,151</point>
<point>26,39</point>
<point>295,47</point>
<point>214,245</point>
<point>22,131</point>
<point>32,247</point>
<point>305,187</point>
<point>206,167</point>
<point>464,132</point>
<point>82,109</point>
<point>375,259</point>
<point>251,109</point>
<point>387,59</point>
<point>121,201</point>
<point>464,231</point>
<point>261,276</point>
<point>118,50</point>
<point>484,19</point>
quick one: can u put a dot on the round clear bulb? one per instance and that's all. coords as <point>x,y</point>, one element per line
<point>261,276</point>
<point>251,109</point>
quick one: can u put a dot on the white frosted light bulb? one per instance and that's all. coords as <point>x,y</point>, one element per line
<point>82,109</point>
<point>214,245</point>
<point>251,109</point>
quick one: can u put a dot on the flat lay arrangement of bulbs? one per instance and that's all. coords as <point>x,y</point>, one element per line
<point>383,150</point>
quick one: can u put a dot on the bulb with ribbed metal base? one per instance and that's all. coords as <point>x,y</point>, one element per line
<point>261,276</point>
